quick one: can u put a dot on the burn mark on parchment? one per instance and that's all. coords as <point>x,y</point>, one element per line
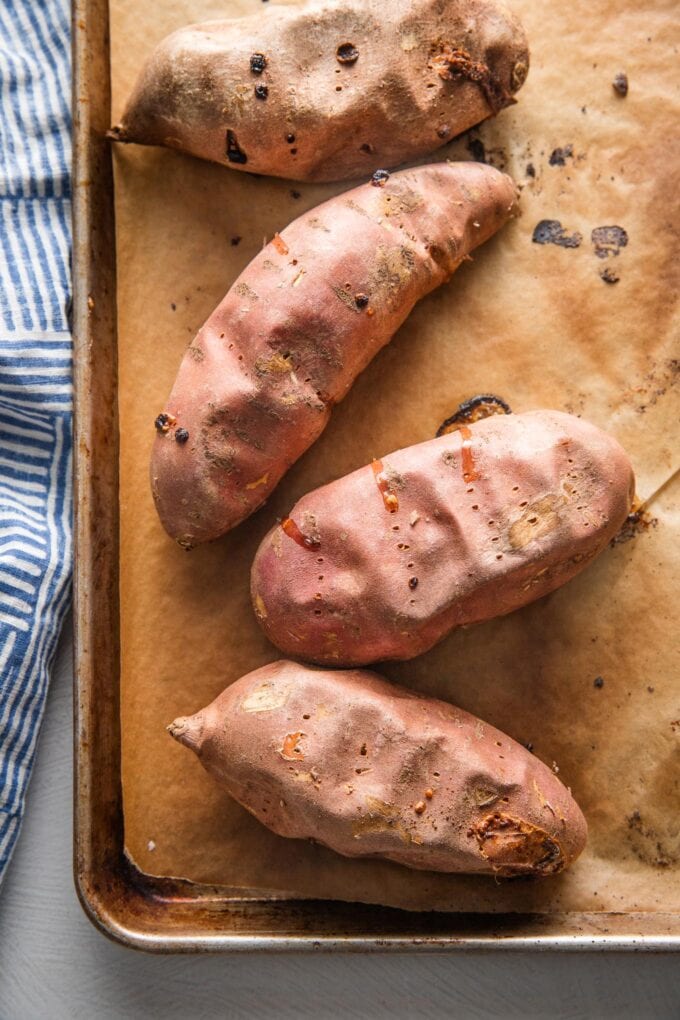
<point>648,844</point>
<point>636,523</point>
<point>609,276</point>
<point>552,232</point>
<point>472,410</point>
<point>608,241</point>
<point>559,157</point>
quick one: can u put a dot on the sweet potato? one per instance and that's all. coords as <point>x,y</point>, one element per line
<point>328,92</point>
<point>460,529</point>
<point>257,384</point>
<point>370,769</point>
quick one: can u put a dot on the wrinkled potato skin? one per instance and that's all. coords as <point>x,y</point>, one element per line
<point>198,85</point>
<point>371,769</point>
<point>551,491</point>
<point>257,384</point>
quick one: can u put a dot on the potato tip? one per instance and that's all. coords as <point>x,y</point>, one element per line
<point>117,133</point>
<point>187,730</point>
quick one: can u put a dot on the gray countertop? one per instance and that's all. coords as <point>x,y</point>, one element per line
<point>54,965</point>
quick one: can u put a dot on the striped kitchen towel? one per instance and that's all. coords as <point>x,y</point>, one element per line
<point>35,379</point>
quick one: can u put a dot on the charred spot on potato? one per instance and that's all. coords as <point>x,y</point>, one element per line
<point>514,847</point>
<point>454,62</point>
<point>444,131</point>
<point>609,276</point>
<point>530,170</point>
<point>347,53</point>
<point>261,91</point>
<point>484,405</point>
<point>258,62</point>
<point>181,436</point>
<point>598,682</point>
<point>620,84</point>
<point>164,422</point>
<point>552,232</point>
<point>235,153</point>
<point>361,300</point>
<point>608,241</point>
<point>380,178</point>
<point>413,583</point>
<point>290,138</point>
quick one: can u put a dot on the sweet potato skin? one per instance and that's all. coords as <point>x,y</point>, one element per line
<point>487,521</point>
<point>257,384</point>
<point>371,769</point>
<point>307,115</point>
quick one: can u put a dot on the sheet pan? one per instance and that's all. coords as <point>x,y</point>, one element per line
<point>185,879</point>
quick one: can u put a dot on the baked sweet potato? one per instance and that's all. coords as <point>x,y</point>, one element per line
<point>325,92</point>
<point>369,769</point>
<point>384,562</point>
<point>257,384</point>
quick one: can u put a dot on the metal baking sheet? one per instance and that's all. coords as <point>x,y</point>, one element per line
<point>166,914</point>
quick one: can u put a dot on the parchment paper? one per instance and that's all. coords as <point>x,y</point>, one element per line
<point>533,323</point>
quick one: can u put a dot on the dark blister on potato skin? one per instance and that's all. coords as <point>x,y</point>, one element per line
<point>371,769</point>
<point>402,76</point>
<point>488,518</point>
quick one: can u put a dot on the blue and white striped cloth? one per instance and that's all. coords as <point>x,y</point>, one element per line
<point>35,378</point>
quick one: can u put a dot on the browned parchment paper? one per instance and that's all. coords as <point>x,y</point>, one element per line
<point>533,323</point>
